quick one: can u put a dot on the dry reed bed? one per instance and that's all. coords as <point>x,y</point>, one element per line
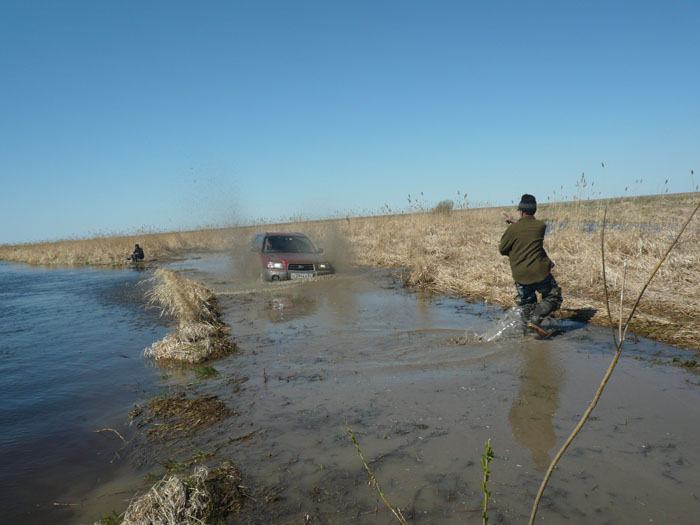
<point>103,251</point>
<point>200,334</point>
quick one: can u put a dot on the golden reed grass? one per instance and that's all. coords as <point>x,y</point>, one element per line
<point>457,253</point>
<point>200,334</point>
<point>115,250</point>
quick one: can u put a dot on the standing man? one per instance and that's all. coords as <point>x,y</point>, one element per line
<point>523,242</point>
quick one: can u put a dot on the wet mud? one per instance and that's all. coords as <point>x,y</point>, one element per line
<point>423,382</point>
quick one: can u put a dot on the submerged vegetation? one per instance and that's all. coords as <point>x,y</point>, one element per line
<point>178,414</point>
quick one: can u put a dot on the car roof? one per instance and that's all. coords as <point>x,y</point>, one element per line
<point>288,234</point>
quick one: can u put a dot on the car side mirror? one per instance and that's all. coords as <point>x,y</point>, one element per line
<point>320,250</point>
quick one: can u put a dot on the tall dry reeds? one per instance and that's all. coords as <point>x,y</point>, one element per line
<point>200,334</point>
<point>115,250</point>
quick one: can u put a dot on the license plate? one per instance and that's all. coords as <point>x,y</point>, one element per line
<point>299,275</point>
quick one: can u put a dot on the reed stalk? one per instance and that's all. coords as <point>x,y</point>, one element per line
<point>373,481</point>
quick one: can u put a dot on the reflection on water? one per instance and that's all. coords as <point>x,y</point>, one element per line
<point>533,409</point>
<point>285,308</point>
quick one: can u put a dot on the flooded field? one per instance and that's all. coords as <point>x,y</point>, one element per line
<point>422,394</point>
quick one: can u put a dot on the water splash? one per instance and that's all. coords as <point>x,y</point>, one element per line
<point>509,325</point>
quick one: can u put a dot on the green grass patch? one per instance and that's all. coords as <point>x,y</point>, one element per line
<point>203,372</point>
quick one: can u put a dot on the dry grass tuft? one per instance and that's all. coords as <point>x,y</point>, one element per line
<point>200,335</point>
<point>193,343</point>
<point>205,496</point>
<point>187,300</point>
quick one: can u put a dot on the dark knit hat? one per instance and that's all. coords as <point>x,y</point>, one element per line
<point>528,204</point>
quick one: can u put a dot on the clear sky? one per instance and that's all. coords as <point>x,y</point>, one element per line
<point>117,116</point>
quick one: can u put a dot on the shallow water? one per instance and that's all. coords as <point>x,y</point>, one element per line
<point>422,403</point>
<point>70,364</point>
<point>422,389</point>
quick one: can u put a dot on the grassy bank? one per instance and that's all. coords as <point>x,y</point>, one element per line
<point>457,252</point>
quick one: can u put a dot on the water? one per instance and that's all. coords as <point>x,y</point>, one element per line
<point>70,364</point>
<point>420,397</point>
<point>508,326</point>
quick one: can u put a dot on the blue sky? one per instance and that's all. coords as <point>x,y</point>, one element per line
<point>123,116</point>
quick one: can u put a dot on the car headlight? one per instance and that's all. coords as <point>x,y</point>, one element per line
<point>275,265</point>
<point>323,266</point>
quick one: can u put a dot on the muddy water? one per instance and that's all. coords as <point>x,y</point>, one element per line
<point>421,402</point>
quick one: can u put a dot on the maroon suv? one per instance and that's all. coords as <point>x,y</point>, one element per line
<point>278,256</point>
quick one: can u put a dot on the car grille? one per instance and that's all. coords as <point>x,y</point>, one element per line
<point>306,267</point>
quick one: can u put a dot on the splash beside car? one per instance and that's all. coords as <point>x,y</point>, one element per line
<point>278,256</point>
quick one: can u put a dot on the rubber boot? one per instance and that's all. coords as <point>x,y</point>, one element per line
<point>526,311</point>
<point>539,312</point>
<point>550,302</point>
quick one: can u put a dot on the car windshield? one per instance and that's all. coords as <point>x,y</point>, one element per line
<point>285,244</point>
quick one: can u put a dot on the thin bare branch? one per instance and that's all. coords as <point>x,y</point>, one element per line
<point>622,301</point>
<point>112,430</point>
<point>618,352</point>
<point>605,280</point>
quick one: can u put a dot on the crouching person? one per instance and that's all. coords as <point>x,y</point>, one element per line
<point>523,243</point>
<point>137,254</point>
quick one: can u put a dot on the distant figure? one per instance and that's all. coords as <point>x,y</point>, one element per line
<point>138,254</point>
<point>523,243</point>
